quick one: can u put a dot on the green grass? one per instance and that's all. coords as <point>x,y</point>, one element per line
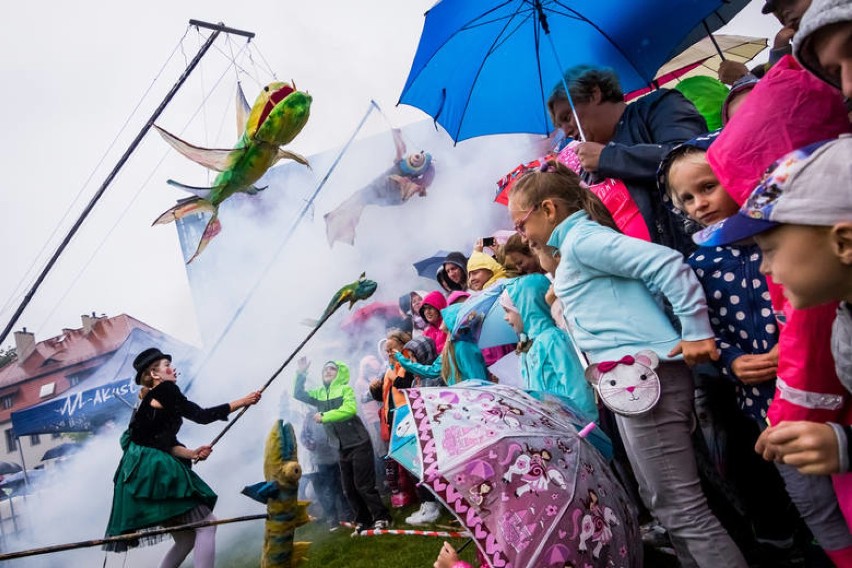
<point>339,549</point>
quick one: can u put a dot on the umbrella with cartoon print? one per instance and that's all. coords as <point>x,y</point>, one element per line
<point>516,472</point>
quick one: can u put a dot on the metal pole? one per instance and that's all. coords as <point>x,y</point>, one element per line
<point>542,19</point>
<point>217,29</point>
<point>23,463</point>
<point>131,536</point>
<point>713,39</point>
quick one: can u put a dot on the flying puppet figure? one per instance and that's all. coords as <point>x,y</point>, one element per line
<point>278,115</point>
<point>409,175</point>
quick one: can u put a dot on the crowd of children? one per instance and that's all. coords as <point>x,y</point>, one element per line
<point>728,254</point>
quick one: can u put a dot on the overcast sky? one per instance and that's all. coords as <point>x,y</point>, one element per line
<point>74,72</point>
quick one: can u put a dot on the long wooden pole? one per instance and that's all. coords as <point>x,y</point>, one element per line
<point>275,375</point>
<point>131,536</point>
<point>217,29</point>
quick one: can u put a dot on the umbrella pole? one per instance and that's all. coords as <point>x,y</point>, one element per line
<point>543,21</point>
<point>713,39</point>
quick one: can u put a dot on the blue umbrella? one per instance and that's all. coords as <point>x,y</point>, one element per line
<point>428,267</point>
<point>481,320</point>
<point>403,446</point>
<point>488,67</point>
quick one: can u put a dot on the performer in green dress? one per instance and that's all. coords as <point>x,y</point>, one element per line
<point>154,483</point>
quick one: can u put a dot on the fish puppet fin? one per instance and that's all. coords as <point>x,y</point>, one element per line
<point>243,110</point>
<point>183,208</point>
<point>213,228</point>
<point>261,492</point>
<point>254,190</point>
<point>217,160</point>
<point>288,155</point>
<point>202,192</point>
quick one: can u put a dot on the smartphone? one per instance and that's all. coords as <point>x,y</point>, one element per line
<point>489,241</point>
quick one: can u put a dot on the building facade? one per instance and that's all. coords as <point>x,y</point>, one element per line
<point>43,370</point>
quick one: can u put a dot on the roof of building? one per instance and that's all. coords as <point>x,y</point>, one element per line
<point>72,347</point>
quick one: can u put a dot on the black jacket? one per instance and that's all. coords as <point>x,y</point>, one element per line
<point>158,427</point>
<point>646,132</point>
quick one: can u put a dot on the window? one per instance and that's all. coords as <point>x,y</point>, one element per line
<point>11,442</point>
<point>7,401</point>
<point>47,390</point>
<point>55,435</point>
<point>35,440</point>
<point>73,381</point>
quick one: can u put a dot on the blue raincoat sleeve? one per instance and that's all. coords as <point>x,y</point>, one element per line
<point>427,371</point>
<point>556,369</point>
<point>471,364</point>
<point>658,267</point>
<point>299,392</point>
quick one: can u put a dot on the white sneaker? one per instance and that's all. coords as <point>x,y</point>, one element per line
<point>415,517</point>
<point>427,514</point>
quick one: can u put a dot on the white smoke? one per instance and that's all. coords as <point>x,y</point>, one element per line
<point>278,292</point>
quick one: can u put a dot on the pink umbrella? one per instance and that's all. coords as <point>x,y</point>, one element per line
<point>515,472</point>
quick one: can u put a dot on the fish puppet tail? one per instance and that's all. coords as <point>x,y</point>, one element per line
<point>194,205</point>
<point>185,207</point>
<point>213,228</point>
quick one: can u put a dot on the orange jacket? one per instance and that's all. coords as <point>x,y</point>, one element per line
<point>388,391</point>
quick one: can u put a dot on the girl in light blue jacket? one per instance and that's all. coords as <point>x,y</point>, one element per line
<point>610,285</point>
<point>549,361</point>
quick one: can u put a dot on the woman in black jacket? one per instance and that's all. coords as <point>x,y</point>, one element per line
<point>154,482</point>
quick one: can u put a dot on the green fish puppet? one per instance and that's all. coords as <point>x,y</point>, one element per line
<point>361,289</point>
<point>278,115</point>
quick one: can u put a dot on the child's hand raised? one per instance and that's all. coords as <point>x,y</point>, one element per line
<point>695,352</point>
<point>302,365</point>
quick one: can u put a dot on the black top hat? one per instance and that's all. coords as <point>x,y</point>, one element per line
<point>146,359</point>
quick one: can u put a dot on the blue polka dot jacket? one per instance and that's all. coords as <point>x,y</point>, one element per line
<point>740,313</point>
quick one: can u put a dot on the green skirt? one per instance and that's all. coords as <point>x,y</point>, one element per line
<point>154,488</point>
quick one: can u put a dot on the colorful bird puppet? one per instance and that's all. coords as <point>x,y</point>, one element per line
<point>410,175</point>
<point>279,492</point>
<point>278,115</point>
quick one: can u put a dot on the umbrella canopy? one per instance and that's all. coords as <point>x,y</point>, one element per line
<point>702,59</point>
<point>515,472</point>
<point>428,267</point>
<point>63,449</point>
<point>488,67</point>
<point>9,467</point>
<point>403,447</point>
<point>481,320</point>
